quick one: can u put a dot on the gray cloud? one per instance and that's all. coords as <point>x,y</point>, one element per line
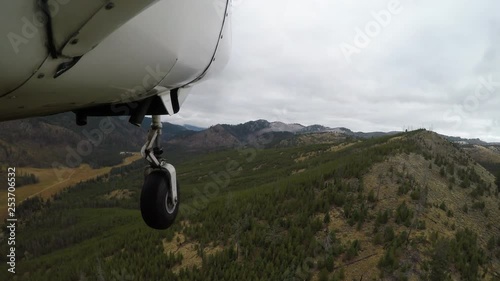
<point>422,69</point>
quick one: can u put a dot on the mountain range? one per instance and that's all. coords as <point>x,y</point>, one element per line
<point>411,206</point>
<point>43,141</point>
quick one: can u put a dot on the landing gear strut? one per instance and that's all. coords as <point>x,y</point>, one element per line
<point>159,196</point>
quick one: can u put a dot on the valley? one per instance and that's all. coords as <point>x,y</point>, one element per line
<point>52,181</point>
<point>411,206</point>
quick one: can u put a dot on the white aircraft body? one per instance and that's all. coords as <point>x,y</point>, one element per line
<point>113,58</point>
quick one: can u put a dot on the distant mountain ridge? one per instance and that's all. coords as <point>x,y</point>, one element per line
<point>41,141</point>
<point>261,131</point>
<point>193,128</point>
<point>265,126</point>
<point>460,140</point>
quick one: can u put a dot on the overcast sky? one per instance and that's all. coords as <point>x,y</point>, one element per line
<point>432,64</point>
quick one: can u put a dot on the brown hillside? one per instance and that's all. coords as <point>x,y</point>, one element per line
<point>215,137</point>
<point>441,204</point>
<point>484,154</point>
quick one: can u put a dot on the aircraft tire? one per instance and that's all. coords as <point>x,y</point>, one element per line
<point>157,210</point>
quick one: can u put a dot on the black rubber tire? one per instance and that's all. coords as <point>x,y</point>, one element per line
<point>153,203</point>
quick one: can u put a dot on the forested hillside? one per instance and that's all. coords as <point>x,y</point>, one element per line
<point>57,140</point>
<point>486,155</point>
<point>43,142</point>
<point>406,207</point>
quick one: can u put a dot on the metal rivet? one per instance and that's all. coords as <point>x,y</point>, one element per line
<point>110,6</point>
<point>74,41</point>
<point>40,76</point>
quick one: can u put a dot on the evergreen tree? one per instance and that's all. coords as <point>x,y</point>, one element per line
<point>439,261</point>
<point>497,181</point>
<point>326,219</point>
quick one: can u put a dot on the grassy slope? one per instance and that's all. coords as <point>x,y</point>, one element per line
<point>52,183</point>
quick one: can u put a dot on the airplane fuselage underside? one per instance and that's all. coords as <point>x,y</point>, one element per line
<point>120,57</point>
<point>71,55</point>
